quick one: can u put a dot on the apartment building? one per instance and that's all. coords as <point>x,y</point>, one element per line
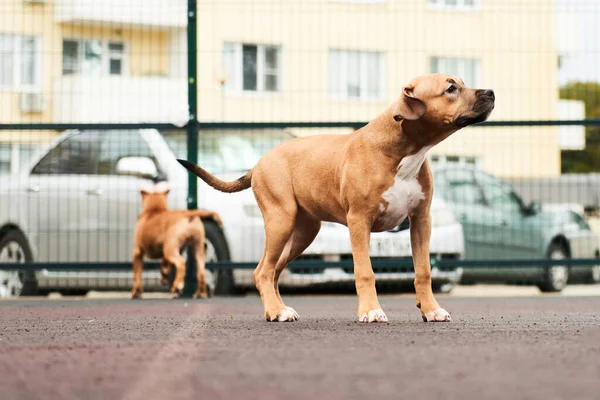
<point>332,60</point>
<point>88,61</point>
<point>309,60</point>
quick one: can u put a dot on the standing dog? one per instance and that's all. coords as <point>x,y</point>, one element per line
<point>161,233</point>
<point>369,180</point>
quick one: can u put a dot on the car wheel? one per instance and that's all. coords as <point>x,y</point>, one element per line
<point>219,281</point>
<point>14,249</point>
<point>556,277</point>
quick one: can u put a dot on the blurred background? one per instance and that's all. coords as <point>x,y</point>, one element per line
<point>98,98</point>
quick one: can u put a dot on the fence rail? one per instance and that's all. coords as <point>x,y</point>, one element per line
<point>275,125</point>
<point>312,264</point>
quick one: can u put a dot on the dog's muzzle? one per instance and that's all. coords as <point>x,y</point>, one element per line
<point>481,109</point>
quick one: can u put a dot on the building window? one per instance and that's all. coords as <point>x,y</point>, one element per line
<point>356,75</point>
<point>20,62</point>
<point>116,55</point>
<point>467,69</point>
<point>94,57</point>
<point>252,67</point>
<point>454,160</point>
<point>454,5</point>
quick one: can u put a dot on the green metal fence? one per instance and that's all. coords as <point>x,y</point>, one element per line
<point>73,244</point>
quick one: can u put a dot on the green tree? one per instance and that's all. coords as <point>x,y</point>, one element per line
<point>588,159</point>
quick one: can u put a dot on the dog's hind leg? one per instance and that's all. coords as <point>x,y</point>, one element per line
<point>305,231</point>
<point>279,228</point>
<point>271,184</point>
<point>200,256</point>
<point>171,254</point>
<point>138,266</point>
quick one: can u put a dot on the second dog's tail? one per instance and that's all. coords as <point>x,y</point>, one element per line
<point>238,185</point>
<point>202,214</point>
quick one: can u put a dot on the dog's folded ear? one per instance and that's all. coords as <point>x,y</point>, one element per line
<point>408,106</point>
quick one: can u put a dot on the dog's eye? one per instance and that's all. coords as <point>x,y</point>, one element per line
<point>451,89</point>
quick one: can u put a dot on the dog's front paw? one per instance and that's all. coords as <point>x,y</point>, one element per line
<point>288,314</point>
<point>374,316</point>
<point>438,315</point>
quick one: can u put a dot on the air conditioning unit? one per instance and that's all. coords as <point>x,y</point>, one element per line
<point>35,1</point>
<point>32,102</point>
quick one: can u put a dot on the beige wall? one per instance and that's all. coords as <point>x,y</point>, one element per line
<point>513,39</point>
<point>519,63</point>
<point>516,48</point>
<point>27,137</point>
<point>506,151</point>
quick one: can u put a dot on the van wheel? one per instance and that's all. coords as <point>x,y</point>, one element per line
<point>14,249</point>
<point>556,277</point>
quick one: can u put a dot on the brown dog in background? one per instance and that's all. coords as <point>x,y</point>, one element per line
<point>162,233</point>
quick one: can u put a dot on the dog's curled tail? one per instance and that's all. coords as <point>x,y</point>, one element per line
<point>238,185</point>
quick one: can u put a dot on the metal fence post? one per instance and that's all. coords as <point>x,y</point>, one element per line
<point>192,134</point>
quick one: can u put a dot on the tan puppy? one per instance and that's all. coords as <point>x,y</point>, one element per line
<point>160,233</point>
<point>369,180</point>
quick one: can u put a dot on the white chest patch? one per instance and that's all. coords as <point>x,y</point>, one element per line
<point>405,194</point>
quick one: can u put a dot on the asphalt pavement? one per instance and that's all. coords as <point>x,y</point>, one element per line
<point>532,347</point>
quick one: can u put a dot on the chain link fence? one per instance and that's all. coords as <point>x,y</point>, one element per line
<point>99,99</point>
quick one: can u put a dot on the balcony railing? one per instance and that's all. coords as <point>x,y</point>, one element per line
<point>87,99</point>
<point>137,13</point>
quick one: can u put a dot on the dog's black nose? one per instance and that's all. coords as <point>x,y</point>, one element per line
<point>489,93</point>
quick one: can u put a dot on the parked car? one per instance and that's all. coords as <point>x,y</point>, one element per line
<point>80,199</point>
<point>498,225</point>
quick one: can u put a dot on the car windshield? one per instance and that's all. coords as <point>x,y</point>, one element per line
<point>223,152</point>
